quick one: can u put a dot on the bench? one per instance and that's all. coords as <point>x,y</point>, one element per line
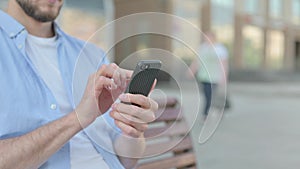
<point>169,144</point>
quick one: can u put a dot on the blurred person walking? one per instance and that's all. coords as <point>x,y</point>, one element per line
<point>211,68</point>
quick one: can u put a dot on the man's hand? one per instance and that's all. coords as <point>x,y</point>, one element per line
<point>34,148</point>
<point>131,119</point>
<point>102,89</point>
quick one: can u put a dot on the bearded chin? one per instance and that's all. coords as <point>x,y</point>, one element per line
<point>43,17</point>
<point>33,11</point>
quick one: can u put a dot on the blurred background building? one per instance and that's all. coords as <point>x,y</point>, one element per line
<point>261,35</point>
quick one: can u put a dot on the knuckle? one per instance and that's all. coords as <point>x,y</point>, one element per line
<point>101,78</point>
<point>101,69</point>
<point>120,117</point>
<point>131,122</point>
<point>145,100</point>
<point>111,113</point>
<point>126,119</point>
<point>131,131</point>
<point>141,100</point>
<point>130,97</point>
<point>154,105</point>
<point>144,127</point>
<point>135,110</point>
<point>151,116</point>
<point>113,65</point>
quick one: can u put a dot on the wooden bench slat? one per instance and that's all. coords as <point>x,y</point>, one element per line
<point>173,129</point>
<point>166,102</point>
<point>186,144</point>
<point>176,161</point>
<point>168,143</point>
<point>175,145</point>
<point>168,114</point>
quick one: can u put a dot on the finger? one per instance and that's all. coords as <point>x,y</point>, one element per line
<point>145,115</point>
<point>123,78</point>
<point>127,129</point>
<point>153,85</point>
<point>128,73</point>
<point>118,74</point>
<point>107,70</point>
<point>138,99</point>
<point>143,101</point>
<point>104,82</point>
<point>116,77</point>
<point>129,120</point>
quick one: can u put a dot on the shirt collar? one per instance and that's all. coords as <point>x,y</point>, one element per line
<point>57,30</point>
<point>13,28</point>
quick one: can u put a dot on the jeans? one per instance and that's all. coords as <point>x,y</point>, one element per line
<point>209,90</point>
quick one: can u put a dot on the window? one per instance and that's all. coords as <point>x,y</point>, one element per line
<point>296,11</point>
<point>255,7</point>
<point>222,12</point>
<point>222,22</point>
<point>275,49</point>
<point>225,4</point>
<point>253,47</point>
<point>189,10</point>
<point>82,20</point>
<point>276,8</point>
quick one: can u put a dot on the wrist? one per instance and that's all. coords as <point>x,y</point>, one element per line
<point>75,122</point>
<point>84,118</point>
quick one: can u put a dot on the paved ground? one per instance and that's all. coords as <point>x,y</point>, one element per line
<point>260,131</point>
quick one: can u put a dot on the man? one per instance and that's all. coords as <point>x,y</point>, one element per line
<point>40,125</point>
<point>212,71</point>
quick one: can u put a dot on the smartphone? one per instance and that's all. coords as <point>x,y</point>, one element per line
<point>143,77</point>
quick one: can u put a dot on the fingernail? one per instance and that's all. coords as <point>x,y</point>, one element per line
<point>123,96</point>
<point>114,106</point>
<point>115,87</point>
<point>111,114</point>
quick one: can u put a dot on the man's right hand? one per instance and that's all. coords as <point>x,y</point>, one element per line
<point>102,89</point>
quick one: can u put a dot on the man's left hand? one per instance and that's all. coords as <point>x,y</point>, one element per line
<point>131,119</point>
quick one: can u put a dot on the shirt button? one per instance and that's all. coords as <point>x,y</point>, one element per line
<point>11,35</point>
<point>53,106</point>
<point>20,46</point>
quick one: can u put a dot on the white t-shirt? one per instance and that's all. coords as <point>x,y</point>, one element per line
<point>211,57</point>
<point>43,54</point>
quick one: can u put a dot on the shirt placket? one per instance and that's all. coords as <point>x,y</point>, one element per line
<point>66,69</point>
<point>20,40</point>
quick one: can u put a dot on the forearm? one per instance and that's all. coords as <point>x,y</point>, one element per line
<point>33,149</point>
<point>129,150</point>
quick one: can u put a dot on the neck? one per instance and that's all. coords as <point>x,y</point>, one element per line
<point>34,27</point>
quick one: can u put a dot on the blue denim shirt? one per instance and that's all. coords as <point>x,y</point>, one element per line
<point>27,103</point>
